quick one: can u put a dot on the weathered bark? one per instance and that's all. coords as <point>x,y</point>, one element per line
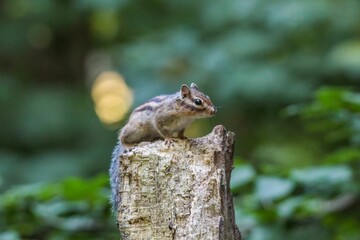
<point>179,191</point>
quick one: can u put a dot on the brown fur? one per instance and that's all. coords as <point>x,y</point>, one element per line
<point>166,116</point>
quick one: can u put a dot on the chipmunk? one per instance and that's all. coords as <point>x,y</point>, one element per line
<point>162,117</point>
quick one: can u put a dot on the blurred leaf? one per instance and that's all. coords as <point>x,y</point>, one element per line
<point>330,98</point>
<point>9,235</point>
<point>346,56</point>
<point>288,153</point>
<point>81,209</point>
<point>40,191</point>
<point>309,207</point>
<point>286,208</point>
<point>50,211</point>
<point>79,223</point>
<point>309,230</point>
<point>268,189</point>
<point>352,101</point>
<point>77,189</point>
<point>241,175</point>
<point>325,177</point>
<point>245,219</point>
<point>258,43</point>
<point>343,155</point>
<point>347,228</point>
<point>266,233</point>
<point>288,15</point>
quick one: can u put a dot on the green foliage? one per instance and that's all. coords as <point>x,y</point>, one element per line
<point>254,58</point>
<point>319,200</point>
<point>335,113</point>
<point>71,209</point>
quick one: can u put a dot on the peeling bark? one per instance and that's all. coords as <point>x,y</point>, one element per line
<point>178,192</point>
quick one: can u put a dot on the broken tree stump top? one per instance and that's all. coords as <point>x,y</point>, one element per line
<point>178,192</point>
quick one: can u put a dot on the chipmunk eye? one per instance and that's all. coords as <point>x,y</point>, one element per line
<point>198,101</point>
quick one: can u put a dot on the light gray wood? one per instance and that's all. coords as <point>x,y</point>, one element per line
<point>179,191</point>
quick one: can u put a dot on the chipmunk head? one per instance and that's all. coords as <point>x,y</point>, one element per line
<point>195,103</point>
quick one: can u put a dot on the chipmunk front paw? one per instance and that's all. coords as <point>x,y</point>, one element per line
<point>169,142</point>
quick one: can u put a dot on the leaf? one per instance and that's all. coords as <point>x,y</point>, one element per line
<point>245,219</point>
<point>330,97</point>
<point>344,155</point>
<point>76,189</point>
<point>346,57</point>
<point>9,235</point>
<point>287,208</point>
<point>241,176</point>
<point>328,176</point>
<point>268,188</point>
<point>300,207</point>
<point>76,223</point>
<point>352,100</point>
<point>49,211</point>
<point>263,232</point>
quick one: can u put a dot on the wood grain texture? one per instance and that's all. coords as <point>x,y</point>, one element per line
<point>178,192</point>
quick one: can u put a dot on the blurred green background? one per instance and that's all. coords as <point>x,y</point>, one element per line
<point>285,75</point>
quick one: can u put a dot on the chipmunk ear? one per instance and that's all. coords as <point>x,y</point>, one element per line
<point>184,91</point>
<point>194,86</point>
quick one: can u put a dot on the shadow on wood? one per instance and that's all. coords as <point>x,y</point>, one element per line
<point>178,192</point>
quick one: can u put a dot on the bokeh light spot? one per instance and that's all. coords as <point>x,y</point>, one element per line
<point>112,97</point>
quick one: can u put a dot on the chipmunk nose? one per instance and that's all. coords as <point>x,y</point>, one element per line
<point>213,110</point>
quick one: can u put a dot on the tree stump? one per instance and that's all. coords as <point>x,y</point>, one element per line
<point>179,191</point>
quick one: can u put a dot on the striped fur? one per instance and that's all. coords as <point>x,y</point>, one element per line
<point>166,116</point>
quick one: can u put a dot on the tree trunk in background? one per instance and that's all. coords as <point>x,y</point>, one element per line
<point>178,192</point>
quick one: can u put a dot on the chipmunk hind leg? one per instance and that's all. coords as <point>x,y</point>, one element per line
<point>132,134</point>
<point>136,133</point>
